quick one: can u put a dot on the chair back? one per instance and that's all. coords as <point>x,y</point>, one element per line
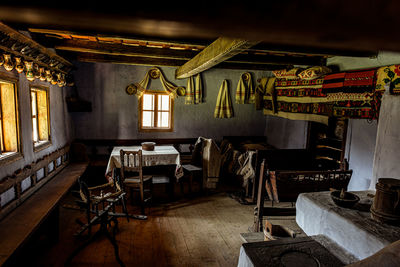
<point>131,161</point>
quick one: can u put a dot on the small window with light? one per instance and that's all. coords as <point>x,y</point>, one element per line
<point>40,117</point>
<point>9,123</point>
<point>156,112</point>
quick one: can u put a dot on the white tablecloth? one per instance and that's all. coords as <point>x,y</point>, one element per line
<point>161,155</point>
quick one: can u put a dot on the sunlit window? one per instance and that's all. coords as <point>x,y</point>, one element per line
<point>40,116</point>
<point>9,128</point>
<point>155,109</point>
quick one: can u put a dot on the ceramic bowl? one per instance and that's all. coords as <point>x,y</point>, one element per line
<point>148,146</point>
<point>348,201</point>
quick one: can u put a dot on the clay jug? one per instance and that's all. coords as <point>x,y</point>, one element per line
<point>8,63</point>
<point>48,75</point>
<point>29,70</point>
<point>42,74</point>
<point>53,78</point>
<point>36,71</point>
<point>18,65</point>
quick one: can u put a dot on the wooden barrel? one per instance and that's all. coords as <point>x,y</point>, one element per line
<point>386,205</point>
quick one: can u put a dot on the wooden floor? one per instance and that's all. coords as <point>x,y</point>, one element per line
<point>202,231</point>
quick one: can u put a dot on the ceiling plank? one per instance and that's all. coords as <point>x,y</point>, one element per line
<point>220,50</point>
<point>124,50</point>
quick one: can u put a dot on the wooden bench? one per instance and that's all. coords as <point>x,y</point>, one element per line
<point>99,150</point>
<point>30,212</point>
<point>285,173</point>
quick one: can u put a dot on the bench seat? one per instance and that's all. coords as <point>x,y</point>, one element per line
<point>18,226</point>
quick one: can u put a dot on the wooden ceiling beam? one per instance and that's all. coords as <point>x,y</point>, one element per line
<point>124,50</point>
<point>309,50</point>
<point>278,60</point>
<point>129,60</point>
<point>220,50</point>
<point>130,38</point>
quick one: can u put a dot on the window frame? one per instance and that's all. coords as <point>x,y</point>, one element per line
<point>12,156</point>
<point>171,112</point>
<point>38,146</point>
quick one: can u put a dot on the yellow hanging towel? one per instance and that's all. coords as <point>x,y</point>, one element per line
<point>223,107</point>
<point>245,92</point>
<point>198,93</point>
<point>189,99</point>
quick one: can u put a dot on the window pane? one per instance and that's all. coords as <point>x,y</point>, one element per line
<point>163,102</point>
<point>10,137</point>
<point>148,102</point>
<point>147,119</point>
<point>35,130</point>
<point>33,97</point>
<point>163,119</point>
<point>42,121</point>
<point>1,137</point>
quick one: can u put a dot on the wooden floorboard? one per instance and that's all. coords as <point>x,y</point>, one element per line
<point>200,231</point>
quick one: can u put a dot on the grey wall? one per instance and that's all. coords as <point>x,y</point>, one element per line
<point>360,147</point>
<point>362,135</point>
<point>60,122</point>
<point>115,114</point>
<point>386,157</point>
<point>286,134</point>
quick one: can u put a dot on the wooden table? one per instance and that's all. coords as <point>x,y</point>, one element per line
<point>161,155</point>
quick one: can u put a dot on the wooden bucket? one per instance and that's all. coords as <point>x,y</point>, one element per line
<point>386,205</point>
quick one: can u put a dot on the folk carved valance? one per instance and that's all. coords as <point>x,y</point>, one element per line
<point>139,89</point>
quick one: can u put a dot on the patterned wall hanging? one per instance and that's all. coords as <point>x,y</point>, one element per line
<point>350,94</point>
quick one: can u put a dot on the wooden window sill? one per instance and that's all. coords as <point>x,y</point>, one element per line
<point>38,146</point>
<point>8,157</point>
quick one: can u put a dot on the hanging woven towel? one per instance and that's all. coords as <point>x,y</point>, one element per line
<point>223,107</point>
<point>189,98</point>
<point>245,92</point>
<point>198,93</point>
<point>194,94</point>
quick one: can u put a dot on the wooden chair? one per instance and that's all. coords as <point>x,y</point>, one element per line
<point>132,176</point>
<point>100,210</point>
<point>194,169</point>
